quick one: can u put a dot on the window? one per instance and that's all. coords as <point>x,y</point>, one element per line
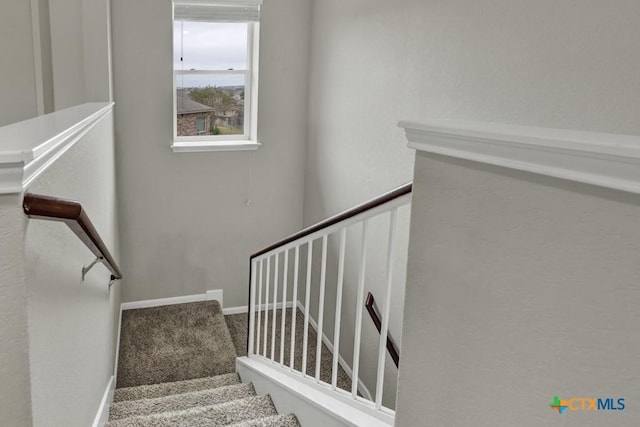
<point>201,125</point>
<point>215,74</point>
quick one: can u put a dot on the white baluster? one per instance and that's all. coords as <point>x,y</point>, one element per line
<point>306,309</point>
<point>336,330</point>
<point>259,307</point>
<point>294,310</point>
<point>275,307</point>
<point>252,307</point>
<point>285,276</point>
<point>323,279</point>
<point>359,304</point>
<point>266,308</point>
<point>386,310</point>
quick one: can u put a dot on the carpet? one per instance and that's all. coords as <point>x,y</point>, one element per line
<point>238,327</point>
<point>174,343</point>
<point>210,401</point>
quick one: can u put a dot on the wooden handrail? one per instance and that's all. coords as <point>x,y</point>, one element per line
<point>374,203</point>
<point>71,213</point>
<point>391,346</point>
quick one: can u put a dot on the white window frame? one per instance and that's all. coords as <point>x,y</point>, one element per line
<point>248,140</point>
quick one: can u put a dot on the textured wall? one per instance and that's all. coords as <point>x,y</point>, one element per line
<point>186,225</point>
<point>73,323</point>
<point>67,47</point>
<point>18,101</point>
<point>80,51</point>
<point>68,63</point>
<point>15,397</point>
<point>520,287</point>
<point>566,64</point>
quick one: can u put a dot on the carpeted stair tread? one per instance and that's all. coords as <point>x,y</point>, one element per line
<point>238,327</point>
<point>284,420</point>
<point>174,343</point>
<point>228,413</point>
<point>179,402</point>
<point>177,387</point>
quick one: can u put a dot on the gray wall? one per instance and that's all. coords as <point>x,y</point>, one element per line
<point>72,323</point>
<point>18,101</point>
<point>68,52</point>
<point>80,51</point>
<point>186,225</point>
<point>15,392</point>
<point>568,64</point>
<point>62,62</point>
<point>520,287</point>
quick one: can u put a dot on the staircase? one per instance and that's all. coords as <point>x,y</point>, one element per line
<point>212,401</point>
<point>176,367</point>
<point>176,363</point>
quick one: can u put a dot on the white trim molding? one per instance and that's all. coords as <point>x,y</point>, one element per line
<point>200,146</point>
<point>29,147</point>
<point>605,160</point>
<point>237,310</point>
<point>209,295</point>
<point>102,416</point>
<point>164,301</point>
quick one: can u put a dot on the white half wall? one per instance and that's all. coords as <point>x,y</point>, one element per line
<point>520,288</point>
<point>73,323</point>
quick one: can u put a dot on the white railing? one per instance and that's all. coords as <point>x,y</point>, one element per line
<point>278,284</point>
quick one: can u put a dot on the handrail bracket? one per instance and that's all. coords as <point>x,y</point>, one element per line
<point>112,280</point>
<point>86,268</point>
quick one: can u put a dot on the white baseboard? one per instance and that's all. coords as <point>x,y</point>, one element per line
<point>235,310</point>
<point>173,300</point>
<point>216,294</point>
<point>115,363</point>
<point>343,363</point>
<point>245,309</point>
<point>102,416</point>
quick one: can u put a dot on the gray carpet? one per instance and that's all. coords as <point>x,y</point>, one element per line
<point>238,327</point>
<point>178,387</point>
<point>178,402</point>
<point>284,420</point>
<point>233,412</point>
<point>224,400</point>
<point>174,343</point>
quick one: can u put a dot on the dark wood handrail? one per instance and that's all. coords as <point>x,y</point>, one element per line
<point>374,203</point>
<point>71,213</point>
<point>391,346</point>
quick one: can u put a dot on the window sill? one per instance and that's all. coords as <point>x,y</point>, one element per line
<point>200,146</point>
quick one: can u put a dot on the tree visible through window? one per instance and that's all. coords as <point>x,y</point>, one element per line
<point>213,46</point>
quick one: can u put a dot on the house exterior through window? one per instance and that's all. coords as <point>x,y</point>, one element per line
<point>215,45</point>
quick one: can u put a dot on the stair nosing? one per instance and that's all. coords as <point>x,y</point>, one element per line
<point>232,378</point>
<point>189,411</point>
